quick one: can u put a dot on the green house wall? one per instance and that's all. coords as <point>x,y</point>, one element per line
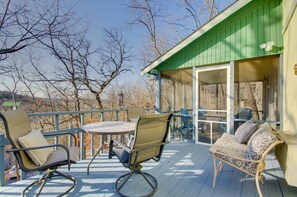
<point>237,37</point>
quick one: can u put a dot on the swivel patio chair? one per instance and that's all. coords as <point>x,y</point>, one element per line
<point>243,115</point>
<point>187,126</point>
<point>32,157</point>
<point>149,140</point>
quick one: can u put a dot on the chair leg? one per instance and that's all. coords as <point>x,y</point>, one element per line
<point>257,184</point>
<point>34,183</point>
<point>220,166</point>
<point>124,175</point>
<point>43,183</point>
<point>127,176</point>
<point>215,172</point>
<point>71,178</point>
<point>152,186</point>
<point>44,178</point>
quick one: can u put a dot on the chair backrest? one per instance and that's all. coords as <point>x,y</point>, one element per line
<point>151,130</point>
<point>244,114</point>
<point>17,124</point>
<point>133,113</point>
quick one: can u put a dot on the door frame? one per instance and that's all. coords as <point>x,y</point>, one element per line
<point>229,95</point>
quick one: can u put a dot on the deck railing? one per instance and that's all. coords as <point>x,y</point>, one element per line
<point>57,123</point>
<point>81,115</point>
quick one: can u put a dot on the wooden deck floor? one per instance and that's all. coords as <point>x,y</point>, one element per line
<point>186,169</point>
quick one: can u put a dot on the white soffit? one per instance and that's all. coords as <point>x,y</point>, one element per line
<point>216,20</point>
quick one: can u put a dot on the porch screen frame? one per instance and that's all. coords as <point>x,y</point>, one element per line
<point>229,94</point>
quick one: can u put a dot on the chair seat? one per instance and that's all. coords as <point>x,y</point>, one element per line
<point>60,155</point>
<point>228,149</point>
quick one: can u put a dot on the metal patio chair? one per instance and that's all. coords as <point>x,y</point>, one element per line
<point>148,143</point>
<point>16,125</point>
<point>186,129</point>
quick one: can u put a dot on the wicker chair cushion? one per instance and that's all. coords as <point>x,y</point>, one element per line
<point>229,150</point>
<point>33,139</point>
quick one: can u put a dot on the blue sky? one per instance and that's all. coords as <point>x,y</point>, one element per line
<point>100,14</point>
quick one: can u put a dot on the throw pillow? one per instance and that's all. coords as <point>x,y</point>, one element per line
<point>245,131</point>
<point>262,128</point>
<point>33,139</point>
<point>125,155</point>
<point>260,144</point>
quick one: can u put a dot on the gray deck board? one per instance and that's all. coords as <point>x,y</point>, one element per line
<point>186,169</point>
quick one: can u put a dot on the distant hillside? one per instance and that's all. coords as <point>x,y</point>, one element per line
<point>7,96</point>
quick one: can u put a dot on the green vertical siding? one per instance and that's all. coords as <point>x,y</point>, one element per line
<point>237,37</point>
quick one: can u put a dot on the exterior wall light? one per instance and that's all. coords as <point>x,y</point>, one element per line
<point>295,69</point>
<point>267,46</point>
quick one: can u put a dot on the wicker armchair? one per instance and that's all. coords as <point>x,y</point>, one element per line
<point>228,150</point>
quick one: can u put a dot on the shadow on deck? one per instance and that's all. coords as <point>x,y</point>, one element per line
<point>186,169</point>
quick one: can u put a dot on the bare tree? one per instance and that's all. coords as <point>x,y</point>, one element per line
<point>147,14</point>
<point>24,23</point>
<point>193,12</point>
<point>212,8</point>
<point>67,51</point>
<point>114,56</point>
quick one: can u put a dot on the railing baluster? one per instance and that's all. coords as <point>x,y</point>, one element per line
<point>211,132</point>
<point>92,145</point>
<point>69,136</point>
<point>101,116</point>
<point>82,138</point>
<point>57,129</point>
<point>2,153</point>
<point>117,115</point>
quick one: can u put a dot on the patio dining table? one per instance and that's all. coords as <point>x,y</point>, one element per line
<point>107,128</point>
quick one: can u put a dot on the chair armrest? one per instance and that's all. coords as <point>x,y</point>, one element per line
<point>123,146</point>
<point>42,147</point>
<point>63,133</point>
<point>129,150</point>
<point>148,147</point>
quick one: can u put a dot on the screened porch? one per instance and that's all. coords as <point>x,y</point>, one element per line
<point>249,88</point>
